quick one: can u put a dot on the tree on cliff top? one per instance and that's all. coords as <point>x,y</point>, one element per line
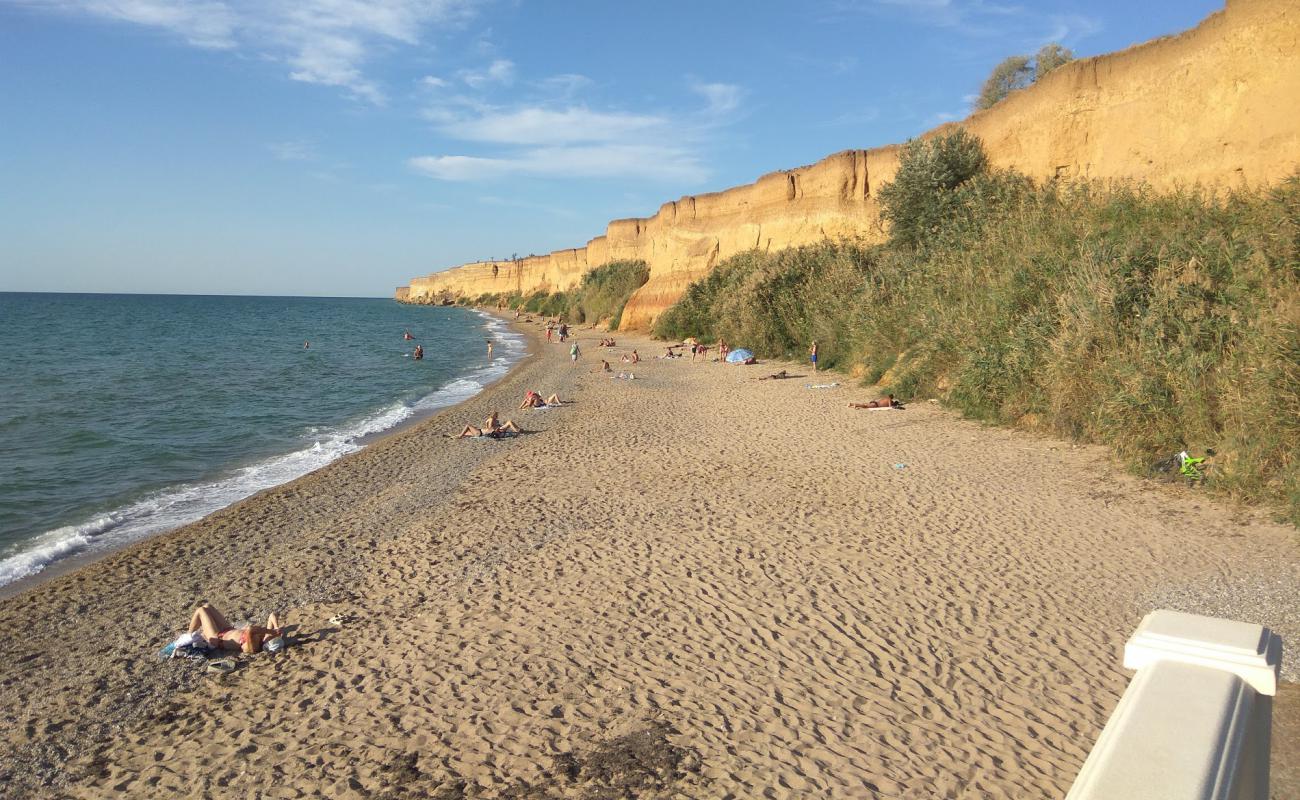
<point>1017,72</point>
<point>923,193</point>
<point>1013,73</point>
<point>1049,57</point>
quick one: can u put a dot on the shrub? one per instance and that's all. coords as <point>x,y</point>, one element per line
<point>600,296</point>
<point>922,198</point>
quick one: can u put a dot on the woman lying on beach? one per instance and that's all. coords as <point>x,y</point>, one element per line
<point>221,635</point>
<point>492,426</point>
<point>887,401</point>
<point>534,400</point>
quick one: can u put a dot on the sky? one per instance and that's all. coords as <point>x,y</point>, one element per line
<point>341,147</point>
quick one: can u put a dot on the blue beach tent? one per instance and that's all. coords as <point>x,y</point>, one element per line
<point>739,356</point>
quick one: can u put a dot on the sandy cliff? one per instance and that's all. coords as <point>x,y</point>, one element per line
<point>1215,104</point>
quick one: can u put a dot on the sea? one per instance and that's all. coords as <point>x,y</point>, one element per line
<point>122,416</point>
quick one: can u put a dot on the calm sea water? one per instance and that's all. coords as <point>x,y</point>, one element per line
<point>126,415</point>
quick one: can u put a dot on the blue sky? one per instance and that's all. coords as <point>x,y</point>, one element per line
<point>339,147</point>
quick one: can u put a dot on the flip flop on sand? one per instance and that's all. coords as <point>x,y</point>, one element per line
<point>339,620</point>
<point>222,666</point>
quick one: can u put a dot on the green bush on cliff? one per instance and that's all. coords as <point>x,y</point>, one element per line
<point>1112,314</point>
<point>925,196</point>
<point>600,296</point>
<point>605,291</point>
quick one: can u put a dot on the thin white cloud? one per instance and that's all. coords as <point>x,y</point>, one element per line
<point>643,161</point>
<point>557,137</point>
<point>565,86</point>
<point>979,19</point>
<point>533,125</point>
<point>723,98</point>
<point>434,82</point>
<point>202,24</point>
<point>501,71</point>
<point>324,42</point>
<point>296,150</point>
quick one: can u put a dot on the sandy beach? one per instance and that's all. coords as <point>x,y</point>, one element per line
<point>691,584</point>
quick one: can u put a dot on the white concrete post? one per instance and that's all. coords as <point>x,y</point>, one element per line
<point>1195,723</point>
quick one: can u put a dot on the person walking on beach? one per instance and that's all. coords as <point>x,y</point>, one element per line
<point>812,355</point>
<point>548,333</point>
<point>574,352</point>
<point>564,331</point>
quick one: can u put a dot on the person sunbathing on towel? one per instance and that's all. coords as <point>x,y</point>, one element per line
<point>492,426</point>
<point>221,635</point>
<point>534,400</point>
<point>887,401</point>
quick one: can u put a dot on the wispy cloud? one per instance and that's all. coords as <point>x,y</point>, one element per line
<point>981,19</point>
<point>723,98</point>
<point>552,126</point>
<point>501,71</point>
<point>553,135</point>
<point>324,42</point>
<point>296,150</point>
<point>644,161</point>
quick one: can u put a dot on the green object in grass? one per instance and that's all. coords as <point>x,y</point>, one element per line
<point>1189,468</point>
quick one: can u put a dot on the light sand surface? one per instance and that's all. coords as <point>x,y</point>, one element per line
<point>691,584</point>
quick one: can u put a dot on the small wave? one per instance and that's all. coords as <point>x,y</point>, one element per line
<point>180,505</point>
<point>51,546</point>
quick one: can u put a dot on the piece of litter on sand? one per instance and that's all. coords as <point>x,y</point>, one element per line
<point>900,466</point>
<point>822,385</point>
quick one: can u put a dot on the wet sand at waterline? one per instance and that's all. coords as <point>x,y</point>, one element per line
<point>690,584</point>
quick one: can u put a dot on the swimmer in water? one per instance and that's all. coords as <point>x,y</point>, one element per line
<point>407,336</point>
<point>306,345</point>
<point>419,352</point>
<point>489,343</point>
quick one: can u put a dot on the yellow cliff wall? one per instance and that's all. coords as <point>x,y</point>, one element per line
<point>1215,105</point>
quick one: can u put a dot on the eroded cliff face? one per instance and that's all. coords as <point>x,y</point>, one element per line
<point>1215,105</point>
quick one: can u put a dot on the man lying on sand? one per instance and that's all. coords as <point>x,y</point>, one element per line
<point>887,401</point>
<point>221,635</point>
<point>492,427</point>
<point>534,400</point>
<point>776,376</point>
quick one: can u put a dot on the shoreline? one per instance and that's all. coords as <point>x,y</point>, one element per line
<point>89,555</point>
<point>678,574</point>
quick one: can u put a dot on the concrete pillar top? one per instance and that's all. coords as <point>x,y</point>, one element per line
<point>1252,652</point>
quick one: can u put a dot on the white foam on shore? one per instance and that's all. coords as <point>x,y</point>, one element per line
<point>185,503</point>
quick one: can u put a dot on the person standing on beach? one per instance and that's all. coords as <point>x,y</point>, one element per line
<point>548,333</point>
<point>812,354</point>
<point>574,352</point>
<point>489,342</point>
